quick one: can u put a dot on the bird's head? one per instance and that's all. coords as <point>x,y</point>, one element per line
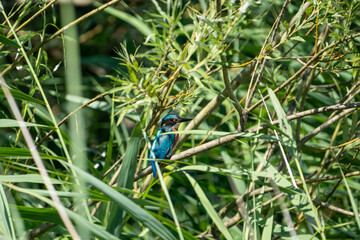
<point>171,119</point>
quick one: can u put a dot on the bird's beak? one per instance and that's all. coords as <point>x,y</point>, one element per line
<point>184,119</point>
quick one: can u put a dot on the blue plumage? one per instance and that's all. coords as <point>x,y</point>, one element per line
<point>164,143</point>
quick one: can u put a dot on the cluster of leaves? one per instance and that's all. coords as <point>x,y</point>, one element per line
<point>271,152</point>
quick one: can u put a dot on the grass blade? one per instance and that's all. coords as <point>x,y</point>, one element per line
<point>285,126</point>
<point>18,95</point>
<point>6,222</point>
<point>209,208</point>
<point>268,229</point>
<point>126,178</point>
<point>127,205</point>
<point>82,222</point>
<point>352,199</point>
<point>8,123</point>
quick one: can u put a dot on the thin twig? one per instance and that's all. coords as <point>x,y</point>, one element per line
<point>302,69</point>
<point>229,138</point>
<point>214,104</point>
<point>252,87</point>
<point>43,228</point>
<point>324,125</point>
<point>231,205</point>
<point>226,77</point>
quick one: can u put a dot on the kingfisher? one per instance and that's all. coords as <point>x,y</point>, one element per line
<point>164,143</point>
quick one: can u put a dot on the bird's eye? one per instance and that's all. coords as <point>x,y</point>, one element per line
<point>175,119</point>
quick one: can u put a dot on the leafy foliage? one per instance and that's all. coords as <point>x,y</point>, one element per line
<point>271,152</point>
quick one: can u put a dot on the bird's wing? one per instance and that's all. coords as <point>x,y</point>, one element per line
<point>163,144</point>
<point>162,147</point>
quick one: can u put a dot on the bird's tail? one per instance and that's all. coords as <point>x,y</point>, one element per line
<point>153,165</point>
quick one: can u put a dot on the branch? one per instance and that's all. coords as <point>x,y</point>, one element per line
<point>234,220</point>
<point>323,126</point>
<point>252,87</point>
<point>229,138</point>
<point>301,70</point>
<point>229,89</point>
<point>43,228</point>
<point>214,104</point>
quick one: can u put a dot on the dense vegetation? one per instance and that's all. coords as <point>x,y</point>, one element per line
<point>271,152</point>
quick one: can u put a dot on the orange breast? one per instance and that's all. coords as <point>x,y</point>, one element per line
<point>176,136</point>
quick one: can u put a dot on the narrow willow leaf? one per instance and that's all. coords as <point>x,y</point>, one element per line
<point>139,214</point>
<point>82,222</point>
<point>284,123</point>
<point>8,41</point>
<point>38,214</point>
<point>7,123</point>
<point>137,23</point>
<point>45,193</point>
<point>28,178</point>
<point>306,237</point>
<point>291,146</point>
<point>24,153</point>
<point>126,178</point>
<point>128,168</point>
<point>297,197</point>
<point>18,95</point>
<point>268,228</point>
<point>209,208</point>
<point>298,38</point>
<point>353,202</point>
<point>6,222</point>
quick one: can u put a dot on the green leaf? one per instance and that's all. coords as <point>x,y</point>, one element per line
<point>22,96</point>
<point>268,48</point>
<point>243,173</point>
<point>23,153</point>
<point>268,228</point>
<point>9,42</point>
<point>80,221</point>
<point>209,208</point>
<point>38,214</point>
<point>284,123</point>
<point>128,168</point>
<point>139,214</point>
<point>126,178</point>
<point>306,237</point>
<point>353,202</point>
<point>26,178</point>
<point>7,123</point>
<point>286,25</point>
<point>136,22</point>
<point>307,25</point>
<point>6,222</point>
<point>298,38</point>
